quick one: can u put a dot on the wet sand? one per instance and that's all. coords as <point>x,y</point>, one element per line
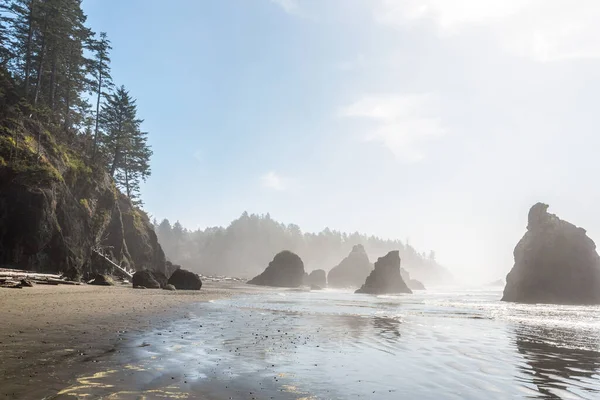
<point>50,334</point>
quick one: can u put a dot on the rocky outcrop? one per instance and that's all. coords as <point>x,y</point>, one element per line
<point>555,263</point>
<point>412,284</point>
<point>286,270</point>
<point>149,279</point>
<point>185,280</point>
<point>318,277</point>
<point>352,271</point>
<point>102,280</point>
<point>55,206</point>
<point>385,278</point>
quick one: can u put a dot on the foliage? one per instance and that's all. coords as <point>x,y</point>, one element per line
<point>50,63</point>
<point>247,245</point>
<point>124,145</point>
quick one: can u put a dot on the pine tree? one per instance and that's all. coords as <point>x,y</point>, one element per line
<point>6,52</point>
<point>124,144</point>
<point>100,70</point>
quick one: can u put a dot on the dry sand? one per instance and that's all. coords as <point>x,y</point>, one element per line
<point>49,334</point>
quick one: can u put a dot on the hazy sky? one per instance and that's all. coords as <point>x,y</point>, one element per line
<point>438,120</point>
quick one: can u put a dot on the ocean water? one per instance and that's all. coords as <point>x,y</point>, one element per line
<point>436,344</point>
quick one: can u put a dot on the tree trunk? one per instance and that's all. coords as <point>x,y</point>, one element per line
<point>127,190</point>
<point>116,157</point>
<point>41,65</point>
<point>98,104</point>
<point>28,48</point>
<point>53,82</point>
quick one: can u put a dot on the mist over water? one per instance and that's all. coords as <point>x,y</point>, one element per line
<point>338,345</point>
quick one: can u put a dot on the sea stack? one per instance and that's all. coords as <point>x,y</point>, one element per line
<point>412,284</point>
<point>352,271</point>
<point>555,263</point>
<point>386,277</point>
<point>286,270</point>
<point>317,278</point>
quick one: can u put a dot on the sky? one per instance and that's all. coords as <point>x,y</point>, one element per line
<point>440,122</point>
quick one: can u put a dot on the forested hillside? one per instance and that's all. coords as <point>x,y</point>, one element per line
<point>72,150</point>
<point>246,246</point>
<point>60,69</point>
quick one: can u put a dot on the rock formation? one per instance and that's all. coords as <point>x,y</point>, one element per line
<point>412,284</point>
<point>149,279</point>
<point>352,271</point>
<point>55,207</point>
<point>185,280</point>
<point>102,280</point>
<point>555,263</point>
<point>318,277</point>
<point>286,270</point>
<point>386,277</point>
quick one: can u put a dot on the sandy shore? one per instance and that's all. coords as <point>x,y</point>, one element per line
<point>49,334</point>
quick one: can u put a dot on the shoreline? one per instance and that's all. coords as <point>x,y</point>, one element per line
<point>50,335</point>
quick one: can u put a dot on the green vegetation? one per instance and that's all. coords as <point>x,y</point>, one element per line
<point>50,62</point>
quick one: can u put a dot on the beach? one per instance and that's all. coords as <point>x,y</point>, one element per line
<point>50,334</point>
<point>236,341</point>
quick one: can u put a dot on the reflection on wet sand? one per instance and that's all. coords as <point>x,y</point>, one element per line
<point>555,365</point>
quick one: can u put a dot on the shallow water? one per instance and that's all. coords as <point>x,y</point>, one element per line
<point>338,345</point>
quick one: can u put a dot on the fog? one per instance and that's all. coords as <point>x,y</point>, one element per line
<point>441,123</point>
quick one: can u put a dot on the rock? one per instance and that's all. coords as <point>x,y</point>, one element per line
<point>139,287</point>
<point>102,280</point>
<point>149,279</point>
<point>26,283</point>
<point>286,270</point>
<point>315,287</point>
<point>318,277</point>
<point>555,263</point>
<point>352,271</point>
<point>412,284</point>
<point>170,287</point>
<point>386,277</point>
<point>185,280</point>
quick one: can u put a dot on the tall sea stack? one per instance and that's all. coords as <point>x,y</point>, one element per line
<point>555,263</point>
<point>352,271</point>
<point>386,277</point>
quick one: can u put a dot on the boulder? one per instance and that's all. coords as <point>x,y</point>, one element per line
<point>412,284</point>
<point>286,270</point>
<point>555,263</point>
<point>149,279</point>
<point>315,287</point>
<point>318,277</point>
<point>183,279</point>
<point>386,277</point>
<point>352,271</point>
<point>102,280</point>
<point>170,287</point>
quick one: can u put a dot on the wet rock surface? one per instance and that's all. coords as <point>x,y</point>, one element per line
<point>149,279</point>
<point>185,280</point>
<point>386,277</point>
<point>286,270</point>
<point>555,262</point>
<point>352,271</point>
<point>317,278</point>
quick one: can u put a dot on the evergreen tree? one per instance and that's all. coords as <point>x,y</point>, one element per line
<point>100,69</point>
<point>6,53</point>
<point>125,145</point>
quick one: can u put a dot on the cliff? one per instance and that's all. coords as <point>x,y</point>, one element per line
<point>56,205</point>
